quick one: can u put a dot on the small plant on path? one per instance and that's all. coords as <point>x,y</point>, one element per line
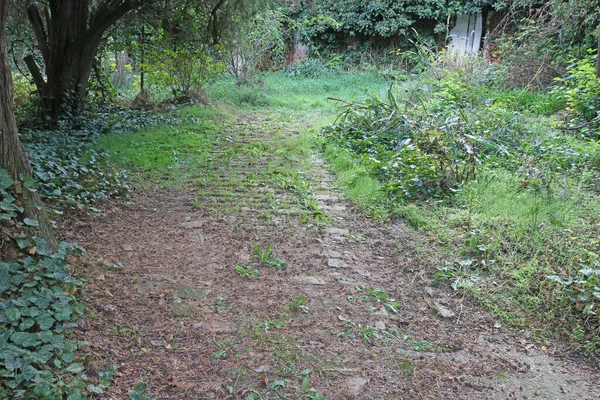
<point>299,304</point>
<point>245,272</point>
<point>267,256</point>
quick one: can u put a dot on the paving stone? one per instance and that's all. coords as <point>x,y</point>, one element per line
<point>344,280</point>
<point>312,293</point>
<point>155,280</point>
<point>356,384</point>
<point>337,231</point>
<point>203,238</point>
<point>309,280</point>
<point>326,197</point>
<point>215,327</point>
<point>444,311</point>
<point>334,254</point>
<point>335,207</point>
<point>188,292</point>
<point>336,263</point>
<point>181,310</point>
<point>363,272</point>
<point>192,224</point>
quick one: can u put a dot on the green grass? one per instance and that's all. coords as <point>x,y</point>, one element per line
<point>357,181</point>
<point>168,152</point>
<point>279,91</point>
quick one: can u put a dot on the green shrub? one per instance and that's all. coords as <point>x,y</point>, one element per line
<point>581,90</point>
<point>25,96</point>
<point>186,71</point>
<point>417,156</point>
<point>311,68</point>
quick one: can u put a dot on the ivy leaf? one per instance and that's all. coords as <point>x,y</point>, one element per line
<point>139,392</point>
<point>13,314</point>
<point>29,183</point>
<point>75,368</point>
<point>25,339</point>
<point>94,389</point>
<point>26,324</point>
<point>45,321</point>
<point>5,180</point>
<point>10,363</point>
<point>76,395</point>
<point>4,277</point>
<point>31,222</point>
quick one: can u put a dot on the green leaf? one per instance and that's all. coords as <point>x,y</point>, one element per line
<point>64,314</point>
<point>10,363</point>
<point>94,389</point>
<point>76,395</point>
<point>4,277</point>
<point>75,368</point>
<point>13,315</point>
<point>277,383</point>
<point>25,339</point>
<point>5,180</point>
<point>29,372</point>
<point>29,183</point>
<point>104,384</point>
<point>26,324</point>
<point>43,248</point>
<point>31,222</point>
<point>138,391</point>
<point>45,320</point>
<point>80,308</point>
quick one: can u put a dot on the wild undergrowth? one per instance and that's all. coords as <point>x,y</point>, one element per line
<point>39,304</point>
<point>40,288</point>
<point>487,173</point>
<point>69,170</point>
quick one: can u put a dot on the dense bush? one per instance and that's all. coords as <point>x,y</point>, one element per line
<point>416,156</point>
<point>184,70</point>
<point>581,91</point>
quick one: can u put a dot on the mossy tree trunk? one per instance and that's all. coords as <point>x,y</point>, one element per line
<point>12,155</point>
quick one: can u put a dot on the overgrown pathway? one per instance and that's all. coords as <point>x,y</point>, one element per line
<point>341,307</point>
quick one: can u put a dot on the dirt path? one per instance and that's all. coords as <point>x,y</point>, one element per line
<point>352,314</point>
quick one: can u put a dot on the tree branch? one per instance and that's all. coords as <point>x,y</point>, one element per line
<point>108,13</point>
<point>38,79</point>
<point>37,25</point>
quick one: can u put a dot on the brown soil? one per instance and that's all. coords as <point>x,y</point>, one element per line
<point>170,309</point>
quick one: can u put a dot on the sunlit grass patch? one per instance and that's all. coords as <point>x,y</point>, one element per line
<point>163,152</point>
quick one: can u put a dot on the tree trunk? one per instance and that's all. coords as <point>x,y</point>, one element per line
<point>12,155</point>
<point>68,36</point>
<point>598,56</point>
